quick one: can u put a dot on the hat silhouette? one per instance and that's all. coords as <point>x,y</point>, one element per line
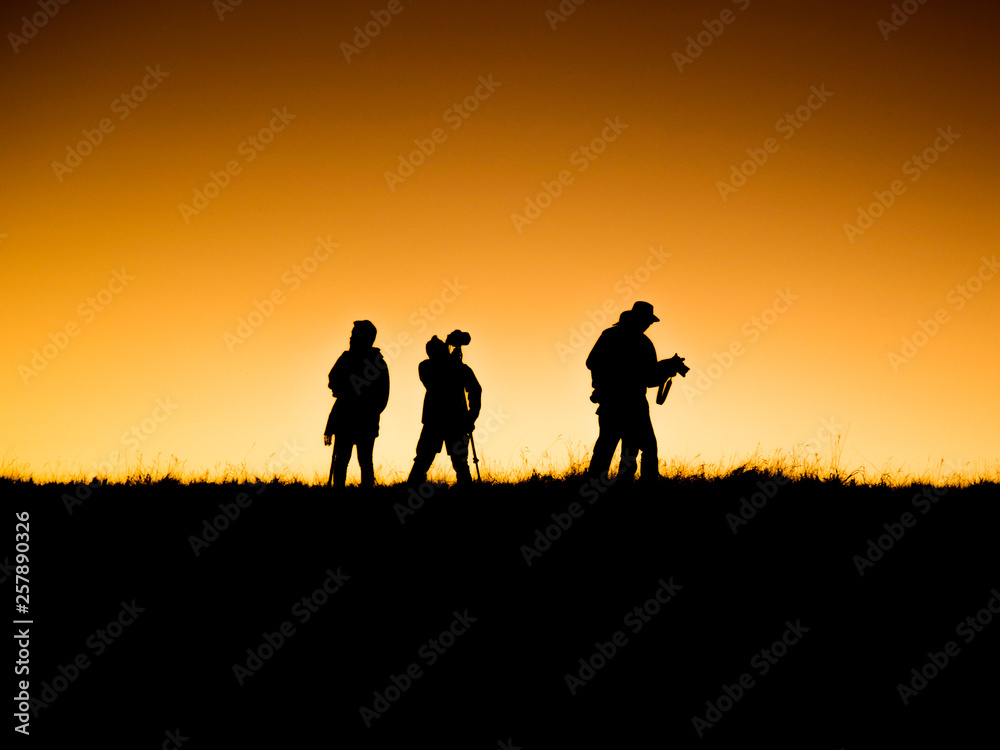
<point>644,311</point>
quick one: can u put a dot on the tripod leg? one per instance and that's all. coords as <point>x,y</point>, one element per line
<point>475,458</point>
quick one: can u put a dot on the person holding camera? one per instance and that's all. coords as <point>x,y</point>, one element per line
<point>359,381</point>
<point>623,365</point>
<point>447,417</point>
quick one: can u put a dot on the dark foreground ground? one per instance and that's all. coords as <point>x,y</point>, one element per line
<point>770,637</point>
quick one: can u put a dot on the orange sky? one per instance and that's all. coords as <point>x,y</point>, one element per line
<point>127,272</point>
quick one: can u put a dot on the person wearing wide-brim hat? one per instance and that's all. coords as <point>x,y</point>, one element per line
<point>623,365</point>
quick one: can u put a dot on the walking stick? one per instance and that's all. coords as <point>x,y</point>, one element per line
<point>475,458</point>
<point>333,460</point>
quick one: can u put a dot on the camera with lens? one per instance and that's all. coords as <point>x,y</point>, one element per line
<point>673,366</point>
<point>458,338</point>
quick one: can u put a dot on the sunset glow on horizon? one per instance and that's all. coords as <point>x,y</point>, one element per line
<point>203,196</point>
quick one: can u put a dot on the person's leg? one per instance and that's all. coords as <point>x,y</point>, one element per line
<point>366,447</point>
<point>609,424</point>
<point>638,437</point>
<point>458,448</point>
<point>626,467</point>
<point>343,445</point>
<point>650,470</point>
<point>428,446</point>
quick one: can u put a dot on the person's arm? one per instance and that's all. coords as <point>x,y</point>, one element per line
<point>475,396</point>
<point>597,363</point>
<point>338,377</point>
<point>330,428</point>
<point>651,373</point>
<point>383,384</point>
<point>595,360</point>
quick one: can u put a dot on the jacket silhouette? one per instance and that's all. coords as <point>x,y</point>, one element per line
<point>623,365</point>
<point>446,416</point>
<point>359,381</point>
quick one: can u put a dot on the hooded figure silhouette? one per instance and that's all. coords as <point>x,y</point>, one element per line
<point>359,381</point>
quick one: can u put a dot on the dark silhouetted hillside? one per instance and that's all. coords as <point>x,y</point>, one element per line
<point>282,617</point>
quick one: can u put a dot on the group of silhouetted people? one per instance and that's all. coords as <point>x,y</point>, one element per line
<point>622,363</point>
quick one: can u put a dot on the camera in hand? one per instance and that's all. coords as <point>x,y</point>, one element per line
<point>667,369</point>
